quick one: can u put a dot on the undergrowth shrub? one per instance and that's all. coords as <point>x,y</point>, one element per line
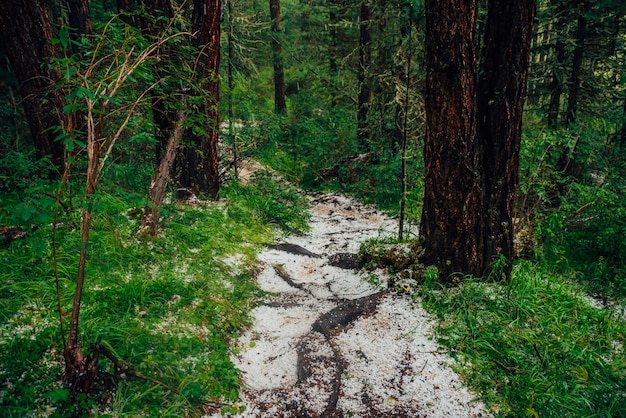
<point>578,216</point>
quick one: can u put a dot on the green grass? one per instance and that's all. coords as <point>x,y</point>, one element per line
<point>170,307</point>
<point>535,347</point>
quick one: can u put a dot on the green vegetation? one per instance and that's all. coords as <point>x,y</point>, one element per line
<point>537,347</point>
<point>550,343</point>
<point>169,308</point>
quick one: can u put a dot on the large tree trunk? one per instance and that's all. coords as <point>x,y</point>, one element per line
<point>280,105</point>
<point>452,220</point>
<point>200,171</point>
<point>25,33</point>
<point>502,91</point>
<point>365,58</point>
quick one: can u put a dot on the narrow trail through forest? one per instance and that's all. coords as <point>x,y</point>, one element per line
<point>328,343</point>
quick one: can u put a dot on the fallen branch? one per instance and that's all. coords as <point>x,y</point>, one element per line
<point>541,359</point>
<point>510,370</point>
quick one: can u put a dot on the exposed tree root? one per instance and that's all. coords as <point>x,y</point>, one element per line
<point>293,249</point>
<point>329,325</point>
<point>279,269</point>
<point>347,261</point>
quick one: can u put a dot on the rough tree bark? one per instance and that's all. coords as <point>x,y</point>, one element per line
<point>280,105</point>
<point>452,220</point>
<point>25,33</point>
<point>502,91</point>
<point>200,171</point>
<point>473,132</point>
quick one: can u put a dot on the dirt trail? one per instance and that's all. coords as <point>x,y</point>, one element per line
<point>330,344</point>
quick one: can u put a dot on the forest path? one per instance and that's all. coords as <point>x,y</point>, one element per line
<point>330,344</point>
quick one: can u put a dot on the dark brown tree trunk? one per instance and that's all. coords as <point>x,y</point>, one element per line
<point>452,224</point>
<point>556,85</point>
<point>200,171</point>
<point>280,105</point>
<point>231,86</point>
<point>25,33</point>
<point>79,18</point>
<point>124,6</point>
<point>577,64</point>
<point>502,91</point>
<point>365,58</point>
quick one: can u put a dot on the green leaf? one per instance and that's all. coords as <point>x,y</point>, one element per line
<point>58,395</point>
<point>64,37</point>
<point>69,108</point>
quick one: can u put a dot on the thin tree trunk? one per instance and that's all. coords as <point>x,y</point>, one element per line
<point>452,224</point>
<point>502,91</point>
<point>80,370</point>
<point>280,105</point>
<point>25,33</point>
<point>577,63</point>
<point>365,58</point>
<point>231,86</point>
<point>556,85</point>
<point>151,214</point>
<point>405,119</point>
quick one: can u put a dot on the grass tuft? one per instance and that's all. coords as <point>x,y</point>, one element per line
<point>170,308</point>
<point>538,347</point>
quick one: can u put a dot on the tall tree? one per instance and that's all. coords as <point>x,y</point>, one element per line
<point>25,33</point>
<point>452,221</point>
<point>200,170</point>
<point>365,58</point>
<point>473,134</point>
<point>556,85</point>
<point>280,105</point>
<point>577,63</point>
<point>502,91</point>
<point>158,15</point>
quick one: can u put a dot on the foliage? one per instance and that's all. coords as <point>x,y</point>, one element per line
<point>537,347</point>
<point>578,217</point>
<point>169,307</point>
<point>273,201</point>
<point>172,307</point>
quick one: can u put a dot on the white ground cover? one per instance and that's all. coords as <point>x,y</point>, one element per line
<point>383,363</point>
